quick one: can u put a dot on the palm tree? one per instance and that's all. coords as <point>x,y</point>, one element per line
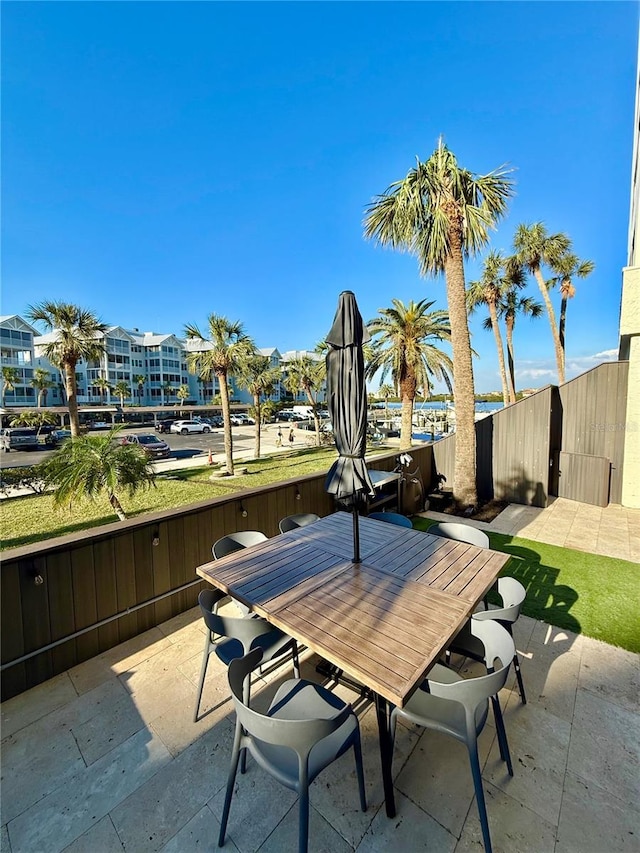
<point>88,466</point>
<point>568,268</point>
<point>385,391</point>
<point>42,382</point>
<point>140,379</point>
<point>182,394</point>
<point>103,385</point>
<point>123,390</point>
<point>10,378</point>
<point>34,419</point>
<point>307,374</point>
<point>259,379</point>
<point>498,275</point>
<point>77,336</point>
<point>404,344</point>
<point>535,247</point>
<point>167,391</point>
<point>510,305</point>
<point>228,348</point>
<point>442,213</point>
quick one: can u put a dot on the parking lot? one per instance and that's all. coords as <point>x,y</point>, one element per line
<point>183,446</point>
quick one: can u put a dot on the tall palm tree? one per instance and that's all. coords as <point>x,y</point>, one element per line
<point>442,213</point>
<point>182,394</point>
<point>35,419</point>
<point>307,374</point>
<point>510,305</point>
<point>385,391</point>
<point>10,378</point>
<point>535,247</point>
<point>404,344</point>
<point>140,379</point>
<point>122,389</point>
<point>77,335</point>
<point>42,382</point>
<point>103,385</point>
<point>167,391</point>
<point>568,268</point>
<point>89,466</point>
<point>259,379</point>
<point>499,275</point>
<point>227,348</point>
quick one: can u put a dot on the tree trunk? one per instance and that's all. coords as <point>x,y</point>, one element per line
<point>407,395</point>
<point>561,327</point>
<point>316,419</point>
<point>72,399</point>
<point>499,346</point>
<point>117,506</point>
<point>256,406</point>
<point>544,290</point>
<point>464,485</point>
<point>509,322</point>
<point>226,414</point>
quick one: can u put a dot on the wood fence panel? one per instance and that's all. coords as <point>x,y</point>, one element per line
<point>84,599</point>
<point>61,610</point>
<point>12,631</point>
<point>162,568</point>
<point>106,592</point>
<point>143,571</point>
<point>585,478</point>
<point>124,560</point>
<point>34,602</point>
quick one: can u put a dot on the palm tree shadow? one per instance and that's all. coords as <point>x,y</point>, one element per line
<point>546,599</point>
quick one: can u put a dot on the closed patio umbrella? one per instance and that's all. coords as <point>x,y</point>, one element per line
<point>348,478</point>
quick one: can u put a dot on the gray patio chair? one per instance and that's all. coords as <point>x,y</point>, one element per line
<point>229,544</point>
<point>291,522</point>
<point>231,637</point>
<point>391,518</point>
<point>305,729</point>
<point>459,707</point>
<point>510,591</point>
<point>461,533</point>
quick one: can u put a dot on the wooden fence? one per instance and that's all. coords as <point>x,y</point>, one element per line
<point>68,599</point>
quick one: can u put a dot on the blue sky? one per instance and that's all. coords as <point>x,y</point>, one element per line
<point>166,160</point>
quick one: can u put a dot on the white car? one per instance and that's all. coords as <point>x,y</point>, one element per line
<point>186,427</point>
<point>241,420</point>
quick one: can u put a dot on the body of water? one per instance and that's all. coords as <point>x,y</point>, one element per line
<point>436,406</point>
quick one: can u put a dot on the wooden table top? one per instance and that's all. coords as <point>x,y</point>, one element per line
<point>384,621</point>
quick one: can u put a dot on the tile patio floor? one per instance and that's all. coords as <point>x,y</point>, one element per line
<point>105,757</point>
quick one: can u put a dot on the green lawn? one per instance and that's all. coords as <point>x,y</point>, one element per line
<point>581,592</point>
<point>35,518</point>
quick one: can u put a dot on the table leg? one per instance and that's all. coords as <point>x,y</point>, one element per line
<point>383,712</point>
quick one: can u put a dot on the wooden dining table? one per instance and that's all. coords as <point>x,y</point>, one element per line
<point>383,621</point>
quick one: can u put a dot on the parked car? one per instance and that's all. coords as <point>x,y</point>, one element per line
<point>186,427</point>
<point>164,426</point>
<point>213,421</point>
<point>56,437</point>
<point>240,419</point>
<point>19,438</point>
<point>99,425</point>
<point>151,444</point>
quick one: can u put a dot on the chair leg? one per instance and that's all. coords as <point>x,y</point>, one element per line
<point>477,784</point>
<point>208,647</point>
<point>303,825</point>
<point>296,660</point>
<point>247,702</point>
<point>357,749</point>
<point>505,755</point>
<point>231,780</point>
<point>516,666</point>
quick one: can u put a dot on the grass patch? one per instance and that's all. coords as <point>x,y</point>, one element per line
<point>35,518</point>
<point>585,593</point>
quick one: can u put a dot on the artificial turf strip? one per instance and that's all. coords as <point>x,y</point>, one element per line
<point>585,593</point>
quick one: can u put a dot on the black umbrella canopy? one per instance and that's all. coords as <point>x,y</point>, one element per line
<point>348,478</point>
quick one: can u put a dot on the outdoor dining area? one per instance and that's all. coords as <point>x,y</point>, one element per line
<point>351,683</point>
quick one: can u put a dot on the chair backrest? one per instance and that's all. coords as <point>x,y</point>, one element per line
<point>391,518</point>
<point>513,595</point>
<point>461,533</point>
<point>235,542</point>
<point>300,735</point>
<point>299,520</point>
<point>240,628</point>
<point>498,644</point>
